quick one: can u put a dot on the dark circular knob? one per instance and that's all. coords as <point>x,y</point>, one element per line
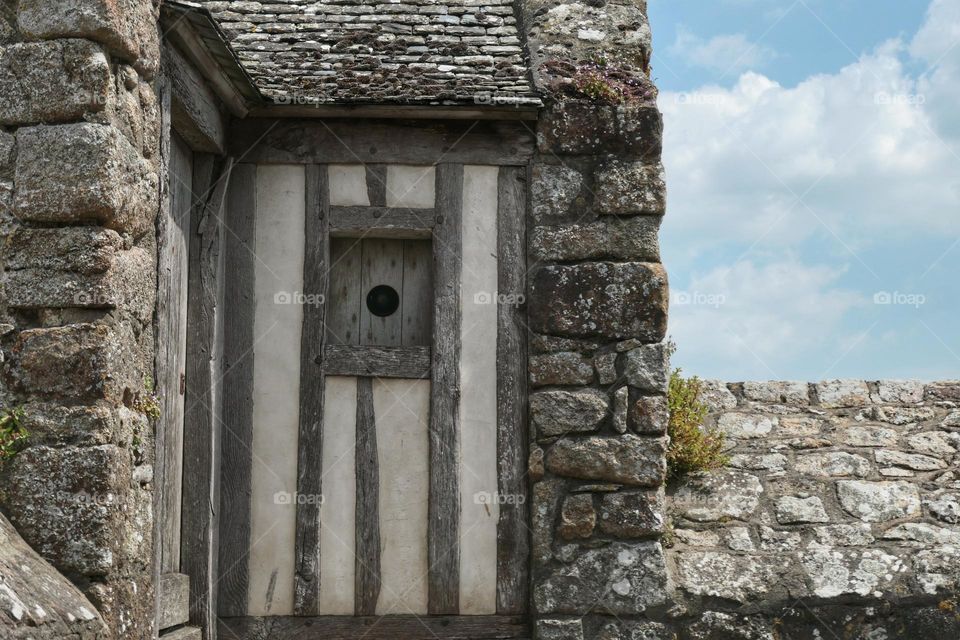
<point>383,300</point>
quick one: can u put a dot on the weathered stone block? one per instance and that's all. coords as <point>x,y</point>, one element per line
<point>84,267</point>
<point>632,514</point>
<point>833,464</point>
<point>565,368</point>
<point>777,392</point>
<point>869,436</point>
<point>641,131</point>
<point>843,393</point>
<point>614,239</point>
<point>127,27</point>
<point>58,425</point>
<point>899,392</point>
<point>716,625</point>
<point>39,603</point>
<point>52,81</point>
<point>923,534</point>
<point>720,495</point>
<point>543,515</point>
<point>646,368</point>
<point>559,630</point>
<point>8,155</point>
<point>80,361</point>
<point>648,415</point>
<point>606,366</point>
<point>621,404</point>
<point>600,299</point>
<point>553,190</point>
<point>69,173</point>
<point>557,413</point>
<point>70,504</point>
<point>626,459</point>
<point>577,517</point>
<point>938,570</point>
<point>635,630</point>
<point>725,575</point>
<point>793,510</point>
<point>620,579</point>
<point>844,535</point>
<point>944,390</point>
<point>833,573</point>
<point>716,395</point>
<point>628,188</point>
<point>746,426</point>
<point>913,461</point>
<point>879,501</point>
<point>583,127</point>
<point>772,462</point>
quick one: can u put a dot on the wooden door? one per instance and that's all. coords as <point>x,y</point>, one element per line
<point>374,434</point>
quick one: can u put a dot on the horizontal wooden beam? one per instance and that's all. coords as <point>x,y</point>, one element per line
<point>298,141</point>
<point>196,109</point>
<point>429,112</point>
<point>376,362</point>
<point>382,222</point>
<point>376,628</point>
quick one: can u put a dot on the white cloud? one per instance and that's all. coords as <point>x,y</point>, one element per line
<point>758,317</point>
<point>724,53</point>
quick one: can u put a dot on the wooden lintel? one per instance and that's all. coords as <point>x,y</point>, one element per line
<point>381,222</point>
<point>376,362</point>
<point>376,628</point>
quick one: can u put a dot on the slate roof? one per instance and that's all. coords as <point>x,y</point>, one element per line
<point>379,51</point>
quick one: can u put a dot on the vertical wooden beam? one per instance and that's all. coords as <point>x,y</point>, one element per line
<point>367,574</point>
<point>237,435</point>
<point>310,444</point>
<point>513,539</point>
<point>377,184</point>
<point>201,428</point>
<point>444,510</point>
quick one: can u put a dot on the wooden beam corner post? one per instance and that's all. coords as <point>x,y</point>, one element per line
<point>513,532</point>
<point>237,427</point>
<point>444,507</point>
<point>203,392</point>
<point>316,267</point>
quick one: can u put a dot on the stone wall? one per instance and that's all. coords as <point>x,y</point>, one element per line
<point>597,309</point>
<point>80,179</point>
<point>839,513</point>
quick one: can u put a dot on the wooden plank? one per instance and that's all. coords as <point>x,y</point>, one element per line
<point>444,512</point>
<point>381,141</point>
<point>367,574</point>
<point>417,297</point>
<point>377,184</point>
<point>201,432</point>
<point>381,222</point>
<point>513,536</point>
<point>376,628</point>
<point>173,255</point>
<point>344,297</point>
<point>310,442</point>
<point>195,108</point>
<point>424,112</point>
<point>382,265</point>
<point>377,362</point>
<point>237,434</point>
<point>174,595</point>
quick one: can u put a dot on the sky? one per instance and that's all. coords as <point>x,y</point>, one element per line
<point>812,153</point>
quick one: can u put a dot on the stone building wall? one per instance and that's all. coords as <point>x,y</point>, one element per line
<point>597,309</point>
<point>839,513</point>
<point>80,176</point>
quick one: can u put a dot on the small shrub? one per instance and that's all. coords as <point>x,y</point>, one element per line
<point>148,403</point>
<point>13,435</point>
<point>692,447</point>
<point>599,81</point>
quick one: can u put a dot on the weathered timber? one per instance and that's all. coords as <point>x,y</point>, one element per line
<point>376,628</point>
<point>367,572</point>
<point>377,362</point>
<point>377,184</point>
<point>381,222</point>
<point>174,594</point>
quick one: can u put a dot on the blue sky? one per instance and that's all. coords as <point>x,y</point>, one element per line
<point>812,150</point>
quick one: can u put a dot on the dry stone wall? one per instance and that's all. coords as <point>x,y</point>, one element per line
<point>80,175</point>
<point>838,514</point>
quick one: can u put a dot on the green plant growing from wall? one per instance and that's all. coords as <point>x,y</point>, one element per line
<point>148,403</point>
<point>13,435</point>
<point>692,446</point>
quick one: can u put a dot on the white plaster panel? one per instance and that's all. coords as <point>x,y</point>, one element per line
<point>402,408</point>
<point>411,186</point>
<point>348,185</point>
<point>338,513</point>
<point>278,270</point>
<point>478,403</point>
